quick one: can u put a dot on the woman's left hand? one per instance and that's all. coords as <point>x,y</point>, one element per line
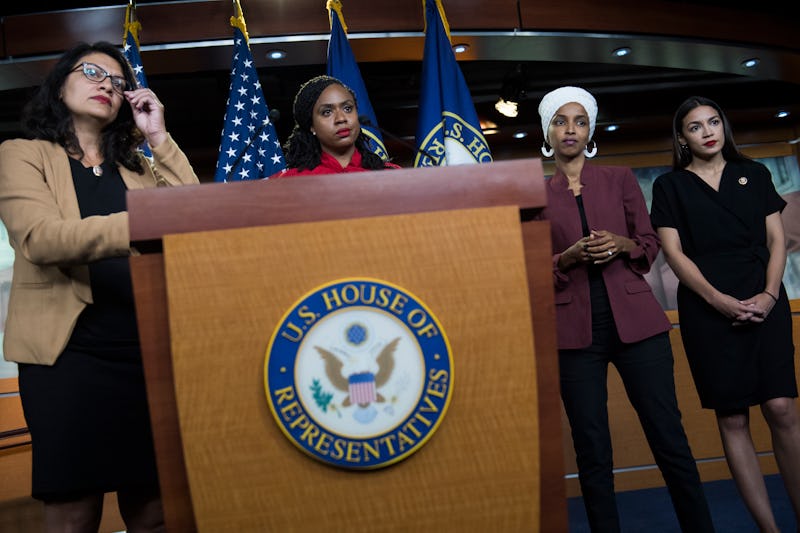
<point>148,112</point>
<point>605,246</point>
<point>760,304</point>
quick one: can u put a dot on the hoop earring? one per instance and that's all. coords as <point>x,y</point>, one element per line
<point>547,150</point>
<point>590,153</point>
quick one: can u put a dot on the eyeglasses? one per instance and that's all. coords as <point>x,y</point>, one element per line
<point>97,75</point>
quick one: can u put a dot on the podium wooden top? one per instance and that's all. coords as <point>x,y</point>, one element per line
<point>157,212</point>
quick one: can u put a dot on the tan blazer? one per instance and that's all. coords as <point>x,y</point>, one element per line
<point>52,244</point>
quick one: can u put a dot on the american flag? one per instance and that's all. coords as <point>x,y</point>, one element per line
<point>362,388</point>
<point>250,148</point>
<point>130,48</point>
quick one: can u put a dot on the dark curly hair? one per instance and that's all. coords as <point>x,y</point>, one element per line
<point>682,157</point>
<point>46,117</point>
<point>302,150</point>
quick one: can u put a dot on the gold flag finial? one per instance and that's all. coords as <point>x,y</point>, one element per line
<point>336,5</point>
<point>132,25</point>
<point>442,16</point>
<point>237,21</point>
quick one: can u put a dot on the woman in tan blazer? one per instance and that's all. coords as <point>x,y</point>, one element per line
<point>71,324</point>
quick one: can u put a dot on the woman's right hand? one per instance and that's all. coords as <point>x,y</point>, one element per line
<point>574,255</point>
<point>598,247</point>
<point>593,248</point>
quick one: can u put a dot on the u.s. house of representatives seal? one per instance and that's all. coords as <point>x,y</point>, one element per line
<point>359,373</point>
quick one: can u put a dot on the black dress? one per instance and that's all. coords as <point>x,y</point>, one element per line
<point>724,233</point>
<point>87,414</point>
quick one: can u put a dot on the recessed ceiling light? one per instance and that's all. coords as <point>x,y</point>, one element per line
<point>622,51</point>
<point>611,127</point>
<point>751,63</point>
<point>520,134</point>
<point>491,131</point>
<point>276,54</point>
<point>782,114</point>
<point>460,48</point>
<point>506,108</point>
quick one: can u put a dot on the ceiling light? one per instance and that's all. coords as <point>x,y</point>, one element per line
<point>611,127</point>
<point>520,135</point>
<point>751,63</point>
<point>782,114</point>
<point>491,131</point>
<point>460,48</point>
<point>276,54</point>
<point>622,51</point>
<point>506,108</point>
<point>512,91</point>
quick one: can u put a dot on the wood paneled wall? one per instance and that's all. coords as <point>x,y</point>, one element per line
<point>633,462</point>
<point>203,20</point>
<point>18,511</point>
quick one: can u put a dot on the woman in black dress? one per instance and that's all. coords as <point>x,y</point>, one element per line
<point>71,324</point>
<point>719,219</point>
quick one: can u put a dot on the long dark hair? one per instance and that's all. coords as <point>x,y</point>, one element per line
<point>302,150</point>
<point>46,117</point>
<point>682,157</point>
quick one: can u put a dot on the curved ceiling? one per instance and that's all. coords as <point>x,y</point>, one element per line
<point>637,92</point>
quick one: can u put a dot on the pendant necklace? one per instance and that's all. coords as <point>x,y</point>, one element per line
<point>97,169</point>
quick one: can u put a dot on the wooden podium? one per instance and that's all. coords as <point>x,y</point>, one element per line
<point>220,265</point>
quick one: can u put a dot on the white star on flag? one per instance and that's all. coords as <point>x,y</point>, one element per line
<point>244,150</point>
<point>130,49</point>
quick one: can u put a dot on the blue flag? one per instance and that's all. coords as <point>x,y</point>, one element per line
<point>250,148</point>
<point>342,66</point>
<point>130,48</point>
<point>448,130</point>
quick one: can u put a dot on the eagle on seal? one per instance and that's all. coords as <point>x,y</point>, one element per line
<point>353,384</point>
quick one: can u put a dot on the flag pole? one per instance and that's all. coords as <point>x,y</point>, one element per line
<point>132,25</point>
<point>249,146</point>
<point>442,16</point>
<point>237,21</point>
<point>336,5</point>
<point>342,65</point>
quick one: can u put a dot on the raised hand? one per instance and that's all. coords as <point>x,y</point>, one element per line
<point>148,112</point>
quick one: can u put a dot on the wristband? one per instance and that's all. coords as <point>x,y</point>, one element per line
<point>771,296</point>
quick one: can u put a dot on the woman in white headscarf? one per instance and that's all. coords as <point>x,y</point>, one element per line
<point>603,244</point>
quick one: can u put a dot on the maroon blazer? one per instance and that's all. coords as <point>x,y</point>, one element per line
<point>613,201</point>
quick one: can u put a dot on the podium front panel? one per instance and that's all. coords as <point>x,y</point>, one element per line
<point>227,290</point>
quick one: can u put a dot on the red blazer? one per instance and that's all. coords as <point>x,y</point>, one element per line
<point>613,201</point>
<point>329,165</point>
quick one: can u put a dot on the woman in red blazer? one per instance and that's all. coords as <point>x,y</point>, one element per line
<point>327,136</point>
<point>603,244</point>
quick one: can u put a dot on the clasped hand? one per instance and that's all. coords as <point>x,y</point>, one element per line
<point>754,309</point>
<point>600,246</point>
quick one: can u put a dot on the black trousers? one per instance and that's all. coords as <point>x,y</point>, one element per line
<point>646,368</point>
